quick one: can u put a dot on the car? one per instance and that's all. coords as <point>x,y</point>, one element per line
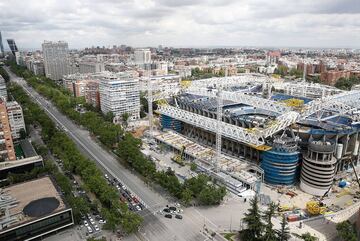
<point>172,208</point>
<point>92,221</point>
<point>88,215</point>
<point>138,208</point>
<point>102,221</point>
<point>90,229</point>
<point>97,229</point>
<point>117,187</point>
<point>86,223</point>
<point>178,216</point>
<point>168,216</point>
<point>106,176</point>
<point>166,210</point>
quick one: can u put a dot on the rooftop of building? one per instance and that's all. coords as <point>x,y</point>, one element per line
<point>29,201</point>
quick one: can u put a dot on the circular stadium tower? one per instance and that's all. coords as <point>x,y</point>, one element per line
<point>318,168</point>
<point>281,164</point>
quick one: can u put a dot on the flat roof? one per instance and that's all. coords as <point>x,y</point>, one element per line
<point>26,192</point>
<point>27,148</point>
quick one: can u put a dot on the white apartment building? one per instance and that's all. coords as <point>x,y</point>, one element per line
<point>55,59</point>
<point>142,57</point>
<point>16,118</point>
<point>3,92</point>
<point>119,94</point>
<point>91,67</point>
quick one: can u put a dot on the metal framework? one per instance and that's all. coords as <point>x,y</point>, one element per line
<point>240,97</point>
<point>209,124</point>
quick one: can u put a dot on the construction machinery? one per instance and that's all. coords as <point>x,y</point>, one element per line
<point>315,207</point>
<point>179,159</point>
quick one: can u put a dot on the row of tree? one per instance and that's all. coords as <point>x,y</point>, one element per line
<point>347,83</point>
<point>111,135</point>
<point>63,147</point>
<point>197,188</point>
<point>259,225</point>
<point>284,71</point>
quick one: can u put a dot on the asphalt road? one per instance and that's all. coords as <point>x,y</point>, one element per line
<point>155,226</point>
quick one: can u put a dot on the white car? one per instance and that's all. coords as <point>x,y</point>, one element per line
<point>92,221</point>
<point>101,221</point>
<point>106,176</point>
<point>97,229</point>
<point>117,187</point>
<point>138,208</point>
<point>86,223</point>
<point>90,229</point>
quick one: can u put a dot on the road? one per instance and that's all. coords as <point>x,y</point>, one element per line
<point>155,227</point>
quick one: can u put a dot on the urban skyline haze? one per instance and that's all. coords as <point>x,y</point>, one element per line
<point>276,23</point>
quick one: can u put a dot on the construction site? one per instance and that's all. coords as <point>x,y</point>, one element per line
<point>252,131</point>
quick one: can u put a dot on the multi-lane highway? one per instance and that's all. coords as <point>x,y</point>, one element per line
<point>155,226</point>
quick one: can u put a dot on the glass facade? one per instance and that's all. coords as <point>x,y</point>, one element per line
<point>37,228</point>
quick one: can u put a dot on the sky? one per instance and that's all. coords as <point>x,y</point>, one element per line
<point>182,23</point>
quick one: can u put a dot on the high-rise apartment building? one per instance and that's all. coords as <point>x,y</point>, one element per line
<point>55,59</point>
<point>142,58</point>
<point>12,46</point>
<point>16,118</point>
<point>120,94</point>
<point>2,52</point>
<point>7,152</point>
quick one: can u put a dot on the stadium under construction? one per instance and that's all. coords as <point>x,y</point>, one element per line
<point>287,133</point>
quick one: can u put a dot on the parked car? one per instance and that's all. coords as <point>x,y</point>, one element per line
<point>106,176</point>
<point>102,221</point>
<point>90,229</point>
<point>166,210</point>
<point>172,208</point>
<point>97,229</point>
<point>138,208</point>
<point>86,223</point>
<point>168,216</point>
<point>178,216</point>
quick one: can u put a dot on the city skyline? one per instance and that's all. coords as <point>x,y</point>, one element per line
<point>197,23</point>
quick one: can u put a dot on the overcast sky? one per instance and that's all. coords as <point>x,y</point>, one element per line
<point>279,23</point>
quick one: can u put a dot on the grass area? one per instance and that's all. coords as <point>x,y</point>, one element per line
<point>229,236</point>
<point>18,151</point>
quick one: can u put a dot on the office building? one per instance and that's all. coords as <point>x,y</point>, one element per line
<point>16,118</point>
<point>7,152</point>
<point>3,92</point>
<point>55,59</point>
<point>120,94</point>
<point>12,46</point>
<point>32,210</point>
<point>142,58</point>
<point>2,52</point>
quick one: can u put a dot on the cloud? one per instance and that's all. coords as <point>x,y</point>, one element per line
<point>82,23</point>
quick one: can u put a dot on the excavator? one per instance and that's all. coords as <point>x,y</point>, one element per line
<point>179,159</point>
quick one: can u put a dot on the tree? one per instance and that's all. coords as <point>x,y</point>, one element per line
<point>186,196</point>
<point>109,116</point>
<point>346,231</point>
<point>253,222</point>
<point>22,134</point>
<point>270,233</point>
<point>284,232</point>
<point>193,166</point>
<point>125,117</point>
<point>308,237</point>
